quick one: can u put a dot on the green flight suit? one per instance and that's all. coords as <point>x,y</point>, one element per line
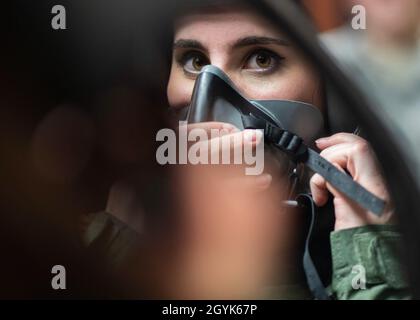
<point>366,264</point>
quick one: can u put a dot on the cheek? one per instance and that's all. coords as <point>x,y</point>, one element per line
<point>179,89</point>
<point>299,84</point>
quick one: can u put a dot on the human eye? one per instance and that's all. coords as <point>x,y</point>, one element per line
<point>192,62</point>
<point>263,61</point>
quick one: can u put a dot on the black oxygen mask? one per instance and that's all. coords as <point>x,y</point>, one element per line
<point>290,126</point>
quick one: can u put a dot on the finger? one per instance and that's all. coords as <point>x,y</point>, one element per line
<point>205,131</point>
<point>355,157</point>
<point>359,163</point>
<point>339,154</point>
<point>332,189</point>
<point>342,148</point>
<point>319,190</point>
<point>235,142</point>
<point>337,138</point>
<point>229,148</point>
<point>212,125</point>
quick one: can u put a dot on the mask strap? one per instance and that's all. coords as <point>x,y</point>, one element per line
<point>312,277</point>
<point>294,146</point>
<point>293,179</point>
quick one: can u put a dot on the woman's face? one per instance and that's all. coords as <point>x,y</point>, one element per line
<point>259,59</point>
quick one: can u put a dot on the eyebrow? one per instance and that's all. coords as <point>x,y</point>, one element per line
<point>256,40</point>
<point>243,42</point>
<point>188,44</point>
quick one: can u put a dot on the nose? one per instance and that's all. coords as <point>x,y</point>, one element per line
<point>233,73</point>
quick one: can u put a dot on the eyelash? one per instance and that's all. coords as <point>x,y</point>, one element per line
<point>184,57</point>
<point>278,60</point>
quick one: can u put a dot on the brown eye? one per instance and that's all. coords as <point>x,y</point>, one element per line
<point>262,61</point>
<point>194,62</point>
<point>198,63</point>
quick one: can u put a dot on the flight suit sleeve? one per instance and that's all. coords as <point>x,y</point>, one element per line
<point>367,265</point>
<point>110,236</point>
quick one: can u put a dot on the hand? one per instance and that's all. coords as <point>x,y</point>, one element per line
<point>225,138</point>
<point>353,154</point>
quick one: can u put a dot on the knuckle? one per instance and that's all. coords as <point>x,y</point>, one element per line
<point>323,153</point>
<point>361,146</point>
<point>316,180</point>
<point>341,135</point>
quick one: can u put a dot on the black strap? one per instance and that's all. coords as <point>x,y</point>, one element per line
<point>299,152</point>
<point>344,183</point>
<point>312,277</point>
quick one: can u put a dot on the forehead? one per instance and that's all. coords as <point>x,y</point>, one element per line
<point>223,25</point>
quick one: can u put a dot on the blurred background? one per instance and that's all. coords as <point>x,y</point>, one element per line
<point>383,57</point>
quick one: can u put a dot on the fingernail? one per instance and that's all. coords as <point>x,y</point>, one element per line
<point>264,180</point>
<point>259,136</point>
<point>320,141</point>
<point>251,136</point>
<point>230,127</point>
